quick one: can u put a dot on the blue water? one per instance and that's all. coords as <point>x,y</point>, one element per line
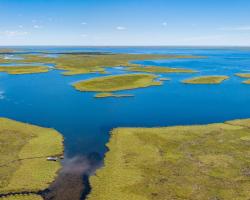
<point>49,99</point>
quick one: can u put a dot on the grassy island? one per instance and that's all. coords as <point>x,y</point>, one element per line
<point>154,69</point>
<point>82,63</point>
<point>23,157</point>
<point>24,69</point>
<point>116,83</point>
<point>243,75</point>
<point>247,82</point>
<point>206,80</point>
<point>107,94</point>
<point>182,162</point>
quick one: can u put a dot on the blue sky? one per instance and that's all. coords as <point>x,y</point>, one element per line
<point>125,22</point>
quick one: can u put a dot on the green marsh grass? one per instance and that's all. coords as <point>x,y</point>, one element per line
<point>182,162</point>
<point>23,152</point>
<point>206,80</point>
<point>117,83</point>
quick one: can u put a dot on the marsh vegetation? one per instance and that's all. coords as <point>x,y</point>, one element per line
<point>155,69</point>
<point>182,162</point>
<point>23,153</point>
<point>24,69</point>
<point>117,83</point>
<point>206,80</point>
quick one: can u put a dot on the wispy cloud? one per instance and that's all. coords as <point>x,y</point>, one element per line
<point>13,33</point>
<point>236,28</point>
<point>84,23</point>
<point>84,35</point>
<point>164,23</point>
<point>121,28</point>
<point>37,26</point>
<point>20,26</point>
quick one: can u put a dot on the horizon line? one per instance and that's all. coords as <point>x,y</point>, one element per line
<point>52,45</point>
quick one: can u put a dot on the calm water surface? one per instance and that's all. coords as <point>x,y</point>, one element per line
<point>49,99</point>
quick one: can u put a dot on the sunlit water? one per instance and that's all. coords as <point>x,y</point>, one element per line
<point>49,100</point>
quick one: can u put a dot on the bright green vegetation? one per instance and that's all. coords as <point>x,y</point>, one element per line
<point>116,83</point>
<point>243,75</point>
<point>24,69</point>
<point>205,162</point>
<point>23,197</point>
<point>23,152</point>
<point>206,80</point>
<point>155,69</point>
<point>89,63</point>
<point>108,94</point>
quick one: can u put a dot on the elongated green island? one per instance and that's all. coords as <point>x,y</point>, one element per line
<point>206,80</point>
<point>23,158</point>
<point>24,69</point>
<point>117,82</point>
<point>181,162</point>
<point>243,75</point>
<point>155,69</point>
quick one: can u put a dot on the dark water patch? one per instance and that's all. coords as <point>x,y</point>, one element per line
<point>72,182</point>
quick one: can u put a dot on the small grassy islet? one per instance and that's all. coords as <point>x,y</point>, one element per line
<point>24,69</point>
<point>155,69</point>
<point>206,80</point>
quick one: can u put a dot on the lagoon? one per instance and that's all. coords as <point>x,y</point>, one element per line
<point>49,99</point>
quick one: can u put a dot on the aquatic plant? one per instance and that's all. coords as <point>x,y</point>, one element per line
<point>181,162</point>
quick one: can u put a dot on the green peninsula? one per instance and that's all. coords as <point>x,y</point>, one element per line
<point>154,69</point>
<point>24,69</point>
<point>117,82</point>
<point>182,162</point>
<point>206,80</point>
<point>23,157</point>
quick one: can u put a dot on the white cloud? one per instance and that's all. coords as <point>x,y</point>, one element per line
<point>37,26</point>
<point>164,24</point>
<point>121,28</point>
<point>236,28</point>
<point>13,33</point>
